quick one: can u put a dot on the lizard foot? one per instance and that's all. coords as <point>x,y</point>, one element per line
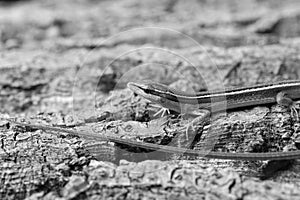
<point>162,111</point>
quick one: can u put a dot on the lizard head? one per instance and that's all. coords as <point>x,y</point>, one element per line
<point>156,93</point>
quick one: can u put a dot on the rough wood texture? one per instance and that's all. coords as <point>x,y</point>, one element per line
<point>67,64</point>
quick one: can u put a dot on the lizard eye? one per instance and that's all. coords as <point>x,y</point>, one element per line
<point>147,91</point>
<point>150,89</point>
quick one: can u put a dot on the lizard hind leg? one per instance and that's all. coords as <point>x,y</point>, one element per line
<point>294,110</point>
<point>202,118</point>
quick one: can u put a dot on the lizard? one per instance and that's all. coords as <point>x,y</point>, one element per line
<point>284,93</point>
